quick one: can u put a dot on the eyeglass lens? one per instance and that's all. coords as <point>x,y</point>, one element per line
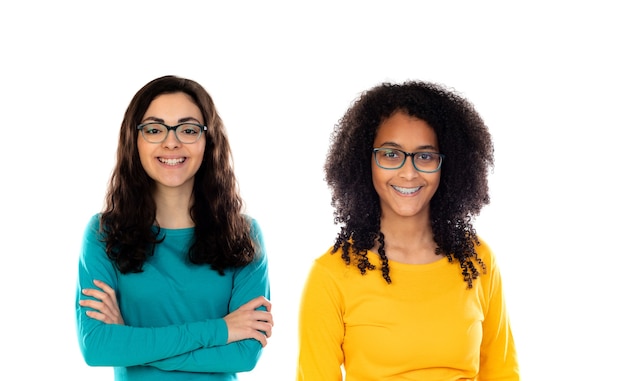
<point>393,159</point>
<point>186,132</point>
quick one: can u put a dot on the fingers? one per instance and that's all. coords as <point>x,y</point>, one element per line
<point>261,338</point>
<point>99,311</point>
<point>259,301</point>
<point>262,321</point>
<point>105,287</point>
<point>265,319</point>
<point>107,294</point>
<point>265,328</point>
<point>260,331</point>
<point>250,322</point>
<point>265,322</point>
<point>100,316</point>
<point>104,304</point>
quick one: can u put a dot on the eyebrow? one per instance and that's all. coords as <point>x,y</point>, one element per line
<point>181,120</point>
<point>419,148</point>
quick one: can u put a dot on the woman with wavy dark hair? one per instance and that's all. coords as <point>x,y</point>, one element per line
<point>408,291</point>
<point>172,278</point>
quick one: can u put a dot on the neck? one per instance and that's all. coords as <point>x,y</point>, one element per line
<point>172,207</point>
<point>409,240</point>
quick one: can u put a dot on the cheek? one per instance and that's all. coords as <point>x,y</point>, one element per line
<point>435,181</point>
<point>379,178</point>
<point>197,155</point>
<point>141,150</point>
<point>201,148</point>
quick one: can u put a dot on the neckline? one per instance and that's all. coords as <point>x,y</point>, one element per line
<point>176,231</point>
<point>440,262</point>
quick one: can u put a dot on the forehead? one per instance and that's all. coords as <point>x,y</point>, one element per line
<point>405,131</point>
<point>173,107</point>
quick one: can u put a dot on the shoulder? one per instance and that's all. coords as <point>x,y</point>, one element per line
<point>327,271</point>
<point>93,245</point>
<point>255,228</point>
<point>489,259</point>
<point>332,264</point>
<point>484,252</point>
<point>93,225</point>
<point>330,258</point>
<point>94,220</point>
<point>257,236</point>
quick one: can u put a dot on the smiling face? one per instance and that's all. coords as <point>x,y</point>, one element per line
<point>171,163</point>
<point>405,192</point>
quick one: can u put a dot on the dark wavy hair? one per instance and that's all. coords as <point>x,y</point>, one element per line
<point>222,233</point>
<point>463,189</point>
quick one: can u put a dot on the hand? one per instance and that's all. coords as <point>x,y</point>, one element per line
<point>249,323</point>
<point>105,308</point>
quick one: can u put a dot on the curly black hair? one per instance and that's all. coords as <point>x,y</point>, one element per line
<point>222,236</point>
<point>463,189</point>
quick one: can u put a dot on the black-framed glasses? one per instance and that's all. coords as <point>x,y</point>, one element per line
<point>393,158</point>
<point>186,133</point>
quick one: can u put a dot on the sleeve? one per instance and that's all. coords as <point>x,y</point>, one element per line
<point>498,356</point>
<point>321,328</point>
<point>249,282</point>
<point>118,345</point>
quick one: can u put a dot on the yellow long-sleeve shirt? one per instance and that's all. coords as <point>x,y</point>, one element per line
<point>425,325</point>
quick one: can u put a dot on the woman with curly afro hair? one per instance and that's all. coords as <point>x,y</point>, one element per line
<point>172,277</point>
<point>408,291</point>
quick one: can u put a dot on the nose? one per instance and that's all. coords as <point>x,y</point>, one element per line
<point>408,170</point>
<point>171,141</point>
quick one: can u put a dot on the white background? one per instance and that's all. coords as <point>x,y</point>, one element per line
<point>548,78</point>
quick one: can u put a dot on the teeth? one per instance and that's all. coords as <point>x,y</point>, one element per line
<point>406,190</point>
<point>171,161</point>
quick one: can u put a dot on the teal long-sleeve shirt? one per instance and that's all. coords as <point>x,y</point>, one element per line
<point>173,312</point>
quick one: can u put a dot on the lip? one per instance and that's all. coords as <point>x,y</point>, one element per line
<point>407,191</point>
<point>171,161</point>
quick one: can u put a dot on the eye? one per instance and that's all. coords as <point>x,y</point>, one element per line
<point>189,129</point>
<point>425,156</point>
<point>391,154</point>
<point>153,129</point>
